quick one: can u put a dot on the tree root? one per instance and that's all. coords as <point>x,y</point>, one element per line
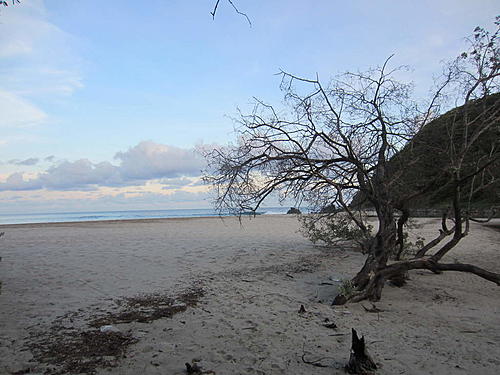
<point>373,289</point>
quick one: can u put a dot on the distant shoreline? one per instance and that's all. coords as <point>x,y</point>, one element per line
<point>493,225</point>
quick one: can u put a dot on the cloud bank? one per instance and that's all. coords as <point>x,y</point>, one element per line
<point>150,160</point>
<point>29,161</point>
<point>139,164</point>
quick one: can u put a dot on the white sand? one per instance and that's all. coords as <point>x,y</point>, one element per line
<point>256,276</point>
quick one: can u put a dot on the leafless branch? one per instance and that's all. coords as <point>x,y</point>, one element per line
<point>235,8</point>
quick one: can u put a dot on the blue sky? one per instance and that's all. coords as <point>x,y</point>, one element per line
<point>102,102</point>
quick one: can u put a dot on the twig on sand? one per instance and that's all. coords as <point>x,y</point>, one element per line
<point>373,309</point>
<point>252,328</point>
<point>317,362</point>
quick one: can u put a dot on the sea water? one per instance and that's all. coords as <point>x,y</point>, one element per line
<point>55,217</point>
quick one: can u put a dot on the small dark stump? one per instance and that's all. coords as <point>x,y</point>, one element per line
<point>360,361</point>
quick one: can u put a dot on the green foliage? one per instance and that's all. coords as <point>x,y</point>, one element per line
<point>427,163</point>
<point>334,228</point>
<point>411,248</point>
<point>347,288</point>
<point>432,155</point>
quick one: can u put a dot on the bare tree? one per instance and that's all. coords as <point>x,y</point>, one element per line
<point>356,137</point>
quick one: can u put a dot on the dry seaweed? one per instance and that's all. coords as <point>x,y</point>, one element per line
<point>149,307</point>
<point>65,349</point>
<point>80,352</point>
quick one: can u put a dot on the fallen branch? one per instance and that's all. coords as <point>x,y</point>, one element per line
<point>461,267</point>
<point>432,265</point>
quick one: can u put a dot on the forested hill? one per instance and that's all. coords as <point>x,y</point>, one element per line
<point>427,162</point>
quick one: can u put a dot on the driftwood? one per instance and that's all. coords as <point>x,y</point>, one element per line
<point>360,361</point>
<point>192,368</point>
<point>331,325</point>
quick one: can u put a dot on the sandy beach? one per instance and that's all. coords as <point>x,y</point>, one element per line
<point>254,277</point>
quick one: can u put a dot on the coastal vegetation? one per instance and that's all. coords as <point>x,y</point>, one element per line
<point>361,141</point>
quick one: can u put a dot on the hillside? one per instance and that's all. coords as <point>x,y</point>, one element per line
<point>426,163</point>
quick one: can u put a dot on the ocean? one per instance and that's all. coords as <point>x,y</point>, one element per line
<point>31,218</point>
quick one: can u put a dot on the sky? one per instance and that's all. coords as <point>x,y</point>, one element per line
<point>103,103</point>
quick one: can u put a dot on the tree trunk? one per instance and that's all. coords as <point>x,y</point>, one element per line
<point>362,278</point>
<point>381,248</point>
<point>405,214</point>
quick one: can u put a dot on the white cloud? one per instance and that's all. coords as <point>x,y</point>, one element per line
<point>36,58</point>
<point>175,183</point>
<point>150,160</point>
<point>15,40</point>
<point>17,111</point>
<point>11,48</point>
<point>27,162</point>
<point>145,162</point>
<point>80,174</point>
<point>27,33</point>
